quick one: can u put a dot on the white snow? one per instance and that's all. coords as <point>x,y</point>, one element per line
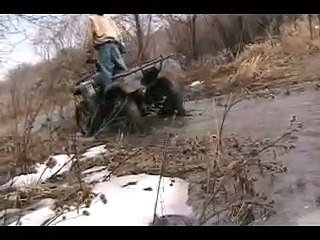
<point>130,202</point>
<point>131,205</point>
<point>94,151</point>
<point>195,83</point>
<point>130,199</point>
<point>95,174</point>
<point>39,216</point>
<point>35,218</point>
<point>43,172</point>
<point>94,169</point>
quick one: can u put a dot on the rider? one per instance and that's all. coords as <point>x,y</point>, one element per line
<point>104,37</point>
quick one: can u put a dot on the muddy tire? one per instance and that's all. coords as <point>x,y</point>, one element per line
<point>134,120</point>
<point>173,103</point>
<point>80,115</point>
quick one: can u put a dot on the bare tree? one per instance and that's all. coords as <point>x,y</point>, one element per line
<point>193,29</point>
<point>310,20</point>
<point>136,31</point>
<point>310,26</point>
<point>139,34</point>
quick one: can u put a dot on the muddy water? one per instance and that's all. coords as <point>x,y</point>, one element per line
<point>295,192</point>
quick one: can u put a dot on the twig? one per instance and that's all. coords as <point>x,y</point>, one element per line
<point>65,164</point>
<point>19,218</point>
<point>162,168</point>
<point>76,163</point>
<point>41,175</point>
<point>112,117</point>
<point>158,192</point>
<point>5,213</point>
<point>216,213</point>
<point>212,198</point>
<point>107,177</point>
<point>246,202</point>
<point>273,143</point>
<point>235,217</point>
<point>20,212</point>
<point>51,220</point>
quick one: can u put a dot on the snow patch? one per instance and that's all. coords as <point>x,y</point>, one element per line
<point>36,218</point>
<point>195,83</point>
<point>94,151</point>
<point>130,201</point>
<point>60,164</point>
<point>57,164</point>
<point>95,174</point>
<point>94,170</point>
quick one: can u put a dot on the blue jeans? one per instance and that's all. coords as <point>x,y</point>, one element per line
<point>111,62</point>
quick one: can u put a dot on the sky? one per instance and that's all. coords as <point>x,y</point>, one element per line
<point>23,52</point>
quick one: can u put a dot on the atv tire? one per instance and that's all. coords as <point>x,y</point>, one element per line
<point>134,120</point>
<point>173,103</point>
<point>80,115</point>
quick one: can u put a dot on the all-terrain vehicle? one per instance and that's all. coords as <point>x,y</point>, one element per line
<point>134,94</point>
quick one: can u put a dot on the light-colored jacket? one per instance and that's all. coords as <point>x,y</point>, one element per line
<point>103,28</point>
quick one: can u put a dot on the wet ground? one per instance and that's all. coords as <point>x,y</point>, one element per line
<point>297,192</point>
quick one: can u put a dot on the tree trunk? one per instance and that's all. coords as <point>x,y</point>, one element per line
<point>140,53</point>
<point>310,26</point>
<point>279,20</point>
<point>318,16</point>
<point>146,41</point>
<point>216,23</point>
<point>245,36</point>
<point>194,50</point>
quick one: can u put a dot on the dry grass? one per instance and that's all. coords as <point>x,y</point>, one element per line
<point>264,64</point>
<point>21,148</point>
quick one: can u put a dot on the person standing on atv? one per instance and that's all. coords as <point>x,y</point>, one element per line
<point>104,37</point>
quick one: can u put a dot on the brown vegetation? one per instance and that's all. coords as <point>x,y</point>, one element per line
<point>225,52</point>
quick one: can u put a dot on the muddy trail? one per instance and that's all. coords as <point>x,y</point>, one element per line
<point>296,193</point>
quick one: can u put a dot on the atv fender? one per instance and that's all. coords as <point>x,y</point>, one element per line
<point>127,85</point>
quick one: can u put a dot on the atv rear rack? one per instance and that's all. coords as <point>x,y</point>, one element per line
<point>145,65</point>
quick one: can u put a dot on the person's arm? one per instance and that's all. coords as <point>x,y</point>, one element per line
<point>90,43</point>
